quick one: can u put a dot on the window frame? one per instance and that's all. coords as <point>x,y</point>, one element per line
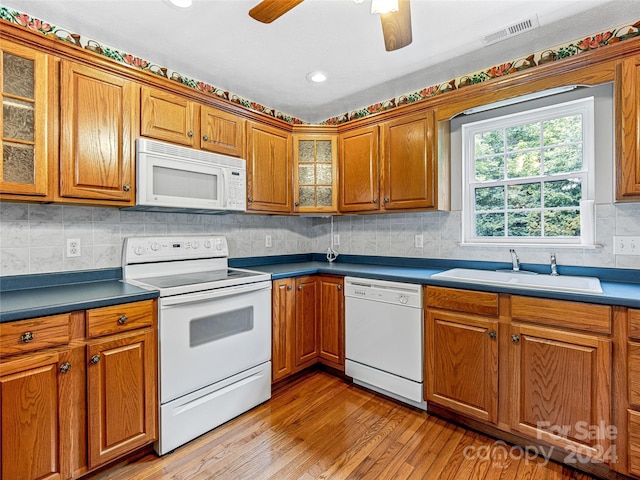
<point>584,107</point>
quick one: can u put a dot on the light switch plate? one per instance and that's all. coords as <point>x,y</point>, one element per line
<point>626,245</point>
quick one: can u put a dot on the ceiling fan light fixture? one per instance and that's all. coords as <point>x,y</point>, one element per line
<point>384,6</point>
<point>317,77</point>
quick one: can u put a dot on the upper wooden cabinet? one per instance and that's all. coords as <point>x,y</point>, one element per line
<point>25,84</point>
<point>409,166</point>
<point>172,118</point>
<point>359,172</point>
<point>628,130</point>
<point>268,169</point>
<point>168,117</point>
<point>97,114</point>
<point>315,185</point>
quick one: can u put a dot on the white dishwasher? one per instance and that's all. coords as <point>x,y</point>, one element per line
<point>384,337</point>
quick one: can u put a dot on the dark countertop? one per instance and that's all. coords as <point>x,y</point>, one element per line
<point>24,297</point>
<point>614,293</point>
<point>29,296</point>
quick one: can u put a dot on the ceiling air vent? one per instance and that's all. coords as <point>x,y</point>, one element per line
<point>512,30</point>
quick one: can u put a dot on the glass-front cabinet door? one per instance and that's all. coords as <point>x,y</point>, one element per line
<point>23,157</point>
<point>314,173</point>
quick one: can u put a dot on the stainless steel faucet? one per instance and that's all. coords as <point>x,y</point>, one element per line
<point>515,260</point>
<point>554,266</point>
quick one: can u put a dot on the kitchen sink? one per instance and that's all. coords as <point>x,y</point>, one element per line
<point>562,283</point>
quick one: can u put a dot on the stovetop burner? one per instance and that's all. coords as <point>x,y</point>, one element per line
<point>196,278</point>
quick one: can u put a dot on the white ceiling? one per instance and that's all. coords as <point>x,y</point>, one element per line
<point>217,42</point>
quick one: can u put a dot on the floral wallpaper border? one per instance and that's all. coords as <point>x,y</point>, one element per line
<point>559,52</point>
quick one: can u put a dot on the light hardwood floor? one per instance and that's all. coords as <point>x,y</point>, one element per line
<point>320,427</point>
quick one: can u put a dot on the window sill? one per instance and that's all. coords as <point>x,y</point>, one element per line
<point>581,246</point>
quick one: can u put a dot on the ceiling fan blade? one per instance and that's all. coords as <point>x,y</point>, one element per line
<point>269,10</point>
<point>396,27</point>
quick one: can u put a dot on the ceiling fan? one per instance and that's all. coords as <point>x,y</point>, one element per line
<point>396,25</point>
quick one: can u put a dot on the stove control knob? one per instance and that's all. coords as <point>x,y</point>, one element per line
<point>195,244</point>
<point>218,245</point>
<point>155,246</point>
<point>138,250</point>
<point>403,299</point>
<point>207,244</point>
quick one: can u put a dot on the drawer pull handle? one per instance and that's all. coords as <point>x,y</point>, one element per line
<point>123,319</point>
<point>65,367</point>
<point>300,287</point>
<point>493,334</point>
<point>289,288</point>
<point>515,338</point>
<point>126,187</point>
<point>190,134</point>
<point>95,359</point>
<point>205,138</point>
<point>26,337</point>
<point>339,287</point>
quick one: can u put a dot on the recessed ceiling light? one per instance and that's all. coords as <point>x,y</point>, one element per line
<point>181,3</point>
<point>317,77</point>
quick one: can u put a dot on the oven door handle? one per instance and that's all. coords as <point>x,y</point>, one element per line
<point>168,302</point>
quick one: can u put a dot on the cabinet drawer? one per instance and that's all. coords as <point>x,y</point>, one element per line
<point>634,324</point>
<point>483,303</point>
<point>634,442</point>
<point>34,334</point>
<point>119,318</point>
<point>562,314</point>
<point>634,374</point>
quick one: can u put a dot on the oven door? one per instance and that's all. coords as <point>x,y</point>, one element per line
<point>208,336</point>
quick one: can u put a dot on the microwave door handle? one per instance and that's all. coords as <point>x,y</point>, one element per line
<point>222,187</point>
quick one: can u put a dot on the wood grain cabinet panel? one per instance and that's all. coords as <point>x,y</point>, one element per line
<point>221,132</point>
<point>634,324</point>
<point>409,165</point>
<point>331,320</point>
<point>482,303</point>
<point>34,334</point>
<point>168,117</point>
<point>359,170</point>
<point>633,366</point>
<point>121,395</point>
<point>628,129</point>
<point>119,318</point>
<point>32,417</point>
<point>634,443</point>
<point>561,385</point>
<point>306,349</point>
<point>268,169</point>
<point>283,331</point>
<point>461,355</point>
<point>97,112</point>
<point>25,80</point>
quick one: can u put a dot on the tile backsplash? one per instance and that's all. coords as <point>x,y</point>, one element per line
<point>33,237</point>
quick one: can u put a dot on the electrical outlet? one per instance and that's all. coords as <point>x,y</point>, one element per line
<point>73,247</point>
<point>336,239</point>
<point>267,241</point>
<point>419,241</point>
<point>626,245</point>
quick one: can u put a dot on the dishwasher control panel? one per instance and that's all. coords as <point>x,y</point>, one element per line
<point>404,294</point>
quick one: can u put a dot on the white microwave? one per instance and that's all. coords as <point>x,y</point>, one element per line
<point>173,178</point>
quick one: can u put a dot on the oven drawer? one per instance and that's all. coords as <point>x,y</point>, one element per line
<point>30,335</point>
<point>119,318</point>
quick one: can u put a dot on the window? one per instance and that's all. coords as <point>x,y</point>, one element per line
<point>529,176</point>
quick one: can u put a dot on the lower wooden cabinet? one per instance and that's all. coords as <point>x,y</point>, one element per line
<point>33,412</point>
<point>77,406</point>
<point>308,324</point>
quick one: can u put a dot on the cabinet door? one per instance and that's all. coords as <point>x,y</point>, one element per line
<point>33,440</point>
<point>221,132</point>
<point>331,320</point>
<point>24,85</point>
<point>408,162</point>
<point>283,333</point>
<point>168,117</point>
<point>359,176</point>
<point>97,112</point>
<point>121,395</point>
<point>561,389</point>
<point>268,169</point>
<point>315,186</point>
<point>461,354</point>
<point>306,350</point>
<point>628,130</point>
